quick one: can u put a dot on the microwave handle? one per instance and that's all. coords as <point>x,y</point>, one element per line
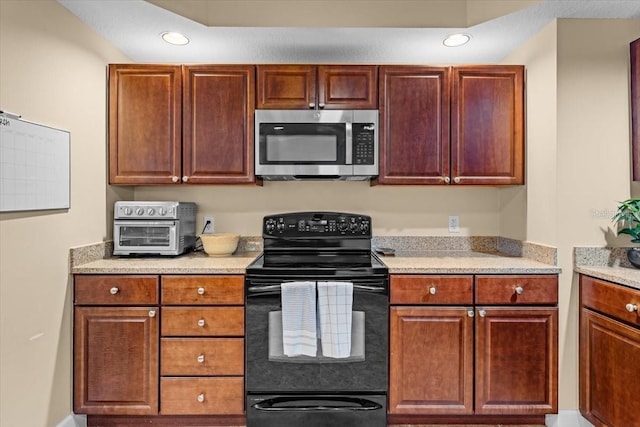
<point>348,158</point>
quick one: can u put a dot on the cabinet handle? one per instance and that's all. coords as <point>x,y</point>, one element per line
<point>432,290</point>
<point>114,290</point>
<point>200,291</point>
<point>470,313</point>
<point>175,179</point>
<point>482,313</point>
<point>201,397</point>
<point>201,358</point>
<point>456,180</point>
<point>152,313</point>
<point>447,180</point>
<point>631,308</point>
<point>185,178</point>
<point>519,290</point>
<point>201,323</point>
<point>312,105</point>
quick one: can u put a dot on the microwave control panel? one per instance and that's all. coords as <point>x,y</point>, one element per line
<point>363,143</point>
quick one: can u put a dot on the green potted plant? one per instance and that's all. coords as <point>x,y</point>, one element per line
<point>627,219</point>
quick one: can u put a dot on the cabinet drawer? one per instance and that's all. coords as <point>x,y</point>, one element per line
<point>611,299</point>
<point>115,290</point>
<point>202,290</point>
<point>517,289</point>
<point>212,356</point>
<point>210,321</point>
<point>412,289</point>
<point>195,396</point>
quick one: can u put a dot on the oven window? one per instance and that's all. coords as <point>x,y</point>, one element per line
<point>309,148</point>
<point>135,236</point>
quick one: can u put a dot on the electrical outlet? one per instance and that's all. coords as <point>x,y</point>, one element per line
<point>454,224</point>
<point>208,225</point>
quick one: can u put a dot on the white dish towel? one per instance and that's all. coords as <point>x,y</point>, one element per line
<point>299,325</point>
<point>335,301</point>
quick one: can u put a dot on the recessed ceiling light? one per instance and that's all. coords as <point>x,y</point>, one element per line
<point>175,38</point>
<point>454,40</point>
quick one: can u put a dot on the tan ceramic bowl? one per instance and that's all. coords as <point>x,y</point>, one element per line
<point>220,244</point>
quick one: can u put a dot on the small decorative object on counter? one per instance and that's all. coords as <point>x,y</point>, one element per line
<point>628,217</point>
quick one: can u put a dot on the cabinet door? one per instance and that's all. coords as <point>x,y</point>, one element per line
<point>286,86</point>
<point>609,371</point>
<point>218,124</point>
<point>116,361</point>
<point>516,361</point>
<point>431,360</point>
<point>487,125</point>
<point>348,87</point>
<point>145,108</point>
<point>414,125</point>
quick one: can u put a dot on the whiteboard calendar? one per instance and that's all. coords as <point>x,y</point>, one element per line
<point>34,166</point>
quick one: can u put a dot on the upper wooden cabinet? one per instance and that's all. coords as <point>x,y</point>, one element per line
<point>458,125</point>
<point>317,87</point>
<point>487,125</point>
<point>171,124</point>
<point>635,107</point>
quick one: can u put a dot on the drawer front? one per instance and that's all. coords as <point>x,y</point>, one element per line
<point>203,290</point>
<point>195,396</point>
<point>210,321</point>
<point>212,356</point>
<point>523,289</point>
<point>611,299</point>
<point>436,290</point>
<point>115,290</point>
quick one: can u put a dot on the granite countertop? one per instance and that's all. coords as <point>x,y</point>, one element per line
<point>627,276</point>
<point>606,263</point>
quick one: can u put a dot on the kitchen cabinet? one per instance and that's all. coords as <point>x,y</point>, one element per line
<point>609,353</point>
<point>159,349</point>
<point>452,125</point>
<point>634,55</point>
<point>334,87</point>
<point>474,348</point>
<point>181,124</point>
<point>116,345</point>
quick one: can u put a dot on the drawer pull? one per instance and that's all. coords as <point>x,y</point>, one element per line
<point>432,290</point>
<point>519,290</point>
<point>470,313</point>
<point>114,290</point>
<point>482,313</point>
<point>152,313</point>
<point>631,308</point>
<point>200,291</point>
<point>201,358</point>
<point>201,397</point>
<point>201,323</point>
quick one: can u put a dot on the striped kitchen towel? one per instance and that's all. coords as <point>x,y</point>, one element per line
<point>299,335</point>
<point>335,300</point>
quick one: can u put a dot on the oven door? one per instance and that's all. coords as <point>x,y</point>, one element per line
<point>145,237</point>
<point>269,371</point>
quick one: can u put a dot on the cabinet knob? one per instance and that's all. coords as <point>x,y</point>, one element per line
<point>200,291</point>
<point>482,313</point>
<point>152,313</point>
<point>321,105</point>
<point>175,179</point>
<point>447,180</point>
<point>201,323</point>
<point>470,313</point>
<point>519,290</point>
<point>631,308</point>
<point>114,290</point>
<point>312,105</point>
<point>185,178</point>
<point>201,397</point>
<point>201,358</point>
<point>432,290</point>
<point>456,180</point>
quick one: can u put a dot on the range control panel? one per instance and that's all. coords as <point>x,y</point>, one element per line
<point>308,224</point>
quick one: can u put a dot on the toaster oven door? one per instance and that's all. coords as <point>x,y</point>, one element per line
<point>145,237</point>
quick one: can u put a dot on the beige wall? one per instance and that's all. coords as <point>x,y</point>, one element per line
<point>52,70</point>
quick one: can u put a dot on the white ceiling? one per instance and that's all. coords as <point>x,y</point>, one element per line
<point>134,26</point>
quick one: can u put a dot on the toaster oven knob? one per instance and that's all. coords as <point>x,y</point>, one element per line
<point>151,211</point>
<point>162,211</point>
<point>128,211</point>
<point>139,211</point>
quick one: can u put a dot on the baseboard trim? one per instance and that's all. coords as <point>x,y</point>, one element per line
<point>73,420</point>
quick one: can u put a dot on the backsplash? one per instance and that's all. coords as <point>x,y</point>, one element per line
<point>599,256</point>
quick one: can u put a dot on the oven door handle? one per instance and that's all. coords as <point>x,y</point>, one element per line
<point>276,288</point>
<point>357,404</point>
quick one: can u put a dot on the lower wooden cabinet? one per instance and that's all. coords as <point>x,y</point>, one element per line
<point>609,353</point>
<point>159,347</point>
<point>453,358</point>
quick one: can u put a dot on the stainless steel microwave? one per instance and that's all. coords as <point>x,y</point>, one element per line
<point>316,144</point>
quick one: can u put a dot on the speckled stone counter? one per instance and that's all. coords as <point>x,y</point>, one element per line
<point>608,264</point>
